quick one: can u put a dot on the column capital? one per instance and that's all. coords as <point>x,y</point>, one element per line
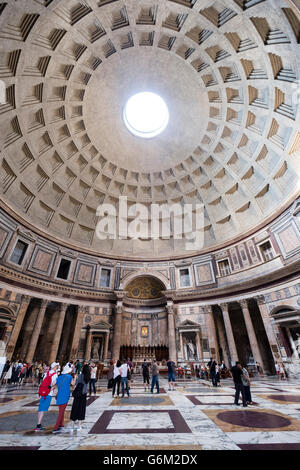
<point>44,303</point>
<point>260,299</point>
<point>243,303</point>
<point>26,299</point>
<point>224,306</point>
<point>207,309</point>
<point>63,307</point>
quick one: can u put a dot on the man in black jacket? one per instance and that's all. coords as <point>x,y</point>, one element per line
<point>236,374</point>
<point>212,371</point>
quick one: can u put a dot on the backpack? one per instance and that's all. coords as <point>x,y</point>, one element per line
<point>45,386</point>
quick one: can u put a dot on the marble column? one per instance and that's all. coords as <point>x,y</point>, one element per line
<point>229,334</point>
<point>36,331</point>
<point>105,346</point>
<point>88,346</point>
<point>212,334</point>
<point>268,327</point>
<point>198,344</point>
<point>181,345</point>
<point>17,326</point>
<point>293,346</point>
<point>171,332</point>
<point>222,338</point>
<point>251,333</point>
<point>117,331</point>
<point>58,332</point>
<point>77,332</point>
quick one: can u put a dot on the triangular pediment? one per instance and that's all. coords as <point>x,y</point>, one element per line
<point>187,323</point>
<point>101,325</point>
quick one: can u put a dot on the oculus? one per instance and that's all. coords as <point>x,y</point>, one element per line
<point>146,114</point>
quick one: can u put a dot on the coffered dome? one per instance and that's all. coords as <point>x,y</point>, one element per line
<point>228,72</point>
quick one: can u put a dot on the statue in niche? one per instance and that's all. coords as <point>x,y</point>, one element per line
<point>190,349</point>
<point>96,349</point>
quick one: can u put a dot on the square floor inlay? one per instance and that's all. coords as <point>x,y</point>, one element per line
<point>146,400</point>
<point>140,421</point>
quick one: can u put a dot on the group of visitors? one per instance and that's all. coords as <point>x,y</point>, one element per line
<point>79,374</point>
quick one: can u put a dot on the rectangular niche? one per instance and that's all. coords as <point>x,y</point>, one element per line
<point>42,260</point>
<point>204,273</point>
<point>105,277</point>
<point>85,273</point>
<point>64,269</point>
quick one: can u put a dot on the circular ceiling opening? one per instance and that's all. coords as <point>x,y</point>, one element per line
<point>146,114</point>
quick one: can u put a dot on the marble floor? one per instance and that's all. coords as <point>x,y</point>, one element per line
<point>196,416</point>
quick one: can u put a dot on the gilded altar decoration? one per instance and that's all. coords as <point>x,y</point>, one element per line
<point>145,331</point>
<point>145,288</point>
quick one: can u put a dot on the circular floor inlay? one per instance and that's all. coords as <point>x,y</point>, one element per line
<point>293,398</point>
<point>146,114</point>
<point>254,419</point>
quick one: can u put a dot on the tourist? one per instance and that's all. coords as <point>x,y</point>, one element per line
<point>8,373</point>
<point>29,372</point>
<point>22,374</point>
<point>258,368</point>
<point>202,372</point>
<point>171,374</point>
<point>117,379</point>
<point>218,375</point>
<point>130,365</point>
<point>125,371</point>
<point>46,392</point>
<point>246,383</point>
<point>282,375</point>
<point>15,373</point>
<point>110,375</point>
<point>78,367</point>
<point>63,384</point>
<point>277,369</point>
<point>93,379</point>
<point>212,371</point>
<point>236,374</point>
<point>79,394</point>
<point>223,370</point>
<point>146,375</point>
<point>155,372</point>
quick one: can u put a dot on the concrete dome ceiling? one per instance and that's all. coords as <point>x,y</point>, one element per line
<point>228,72</point>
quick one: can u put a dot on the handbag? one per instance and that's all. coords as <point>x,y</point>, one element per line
<point>77,392</point>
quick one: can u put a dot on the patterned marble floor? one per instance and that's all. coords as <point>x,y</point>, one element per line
<point>196,416</point>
